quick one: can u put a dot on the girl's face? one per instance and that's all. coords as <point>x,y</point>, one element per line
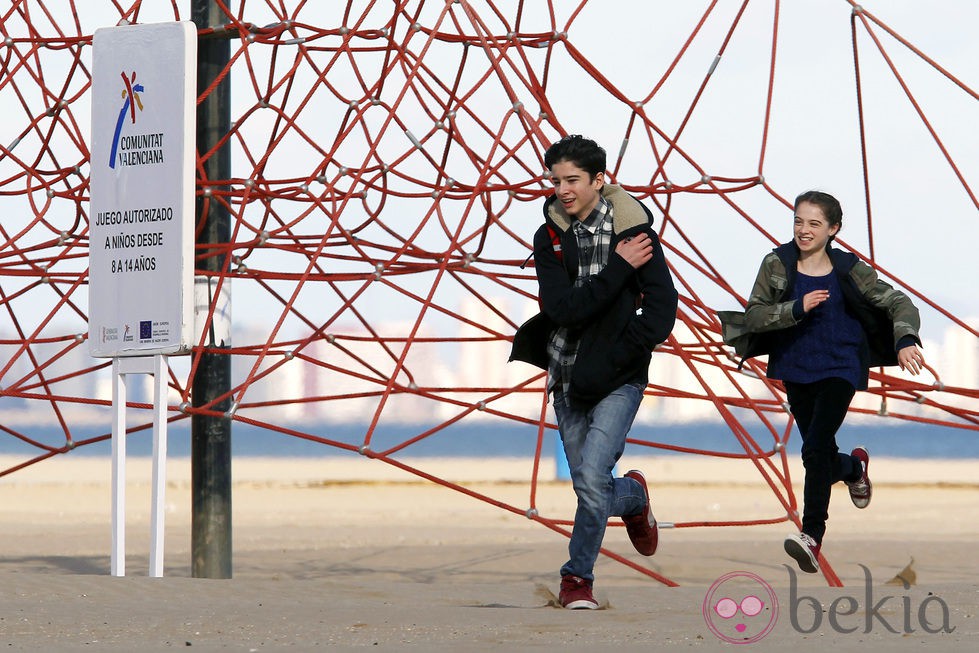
<point>577,191</point>
<point>811,230</point>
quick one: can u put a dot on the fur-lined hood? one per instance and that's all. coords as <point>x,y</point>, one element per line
<point>627,212</point>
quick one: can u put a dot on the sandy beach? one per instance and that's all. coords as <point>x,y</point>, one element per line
<point>350,553</point>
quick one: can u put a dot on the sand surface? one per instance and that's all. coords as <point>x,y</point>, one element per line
<point>351,554</point>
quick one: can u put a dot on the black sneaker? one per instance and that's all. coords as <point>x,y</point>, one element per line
<point>804,550</point>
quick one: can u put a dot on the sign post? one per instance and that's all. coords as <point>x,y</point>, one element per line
<point>121,368</point>
<point>141,237</point>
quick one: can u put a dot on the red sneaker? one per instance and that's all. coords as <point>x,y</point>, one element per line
<point>805,551</point>
<point>861,489</point>
<point>576,594</point>
<point>642,528</point>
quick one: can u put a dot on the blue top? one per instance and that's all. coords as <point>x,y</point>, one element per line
<point>825,344</point>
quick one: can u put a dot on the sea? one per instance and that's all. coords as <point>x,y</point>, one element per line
<point>485,440</point>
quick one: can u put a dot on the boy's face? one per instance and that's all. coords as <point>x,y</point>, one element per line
<point>577,191</point>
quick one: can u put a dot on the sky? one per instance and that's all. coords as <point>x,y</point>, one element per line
<point>925,223</point>
<point>922,217</point>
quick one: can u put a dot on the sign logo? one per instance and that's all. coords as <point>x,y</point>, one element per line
<point>145,329</point>
<point>131,100</point>
<point>109,333</point>
<point>740,608</point>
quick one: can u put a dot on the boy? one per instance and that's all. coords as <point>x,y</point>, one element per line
<point>607,300</point>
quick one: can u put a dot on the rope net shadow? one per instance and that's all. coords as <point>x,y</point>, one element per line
<point>387,178</point>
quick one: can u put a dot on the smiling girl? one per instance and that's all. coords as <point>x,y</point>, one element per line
<point>825,319</point>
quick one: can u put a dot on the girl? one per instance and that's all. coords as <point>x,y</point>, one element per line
<point>824,319</point>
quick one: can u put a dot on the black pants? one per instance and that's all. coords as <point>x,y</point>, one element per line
<point>819,409</point>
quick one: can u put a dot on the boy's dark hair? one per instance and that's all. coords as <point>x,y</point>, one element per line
<point>583,152</point>
<point>829,205</point>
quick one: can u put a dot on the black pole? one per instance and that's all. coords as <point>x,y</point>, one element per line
<point>211,436</point>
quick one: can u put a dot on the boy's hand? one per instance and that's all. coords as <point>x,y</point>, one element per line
<point>636,251</point>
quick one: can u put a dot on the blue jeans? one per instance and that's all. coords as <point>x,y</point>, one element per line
<point>593,442</point>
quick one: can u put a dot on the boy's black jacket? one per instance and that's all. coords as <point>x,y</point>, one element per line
<point>621,313</point>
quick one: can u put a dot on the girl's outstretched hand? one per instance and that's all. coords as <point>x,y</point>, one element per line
<point>911,359</point>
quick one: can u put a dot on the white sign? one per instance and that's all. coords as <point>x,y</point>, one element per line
<point>141,219</point>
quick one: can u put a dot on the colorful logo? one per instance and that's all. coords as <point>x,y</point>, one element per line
<point>740,608</point>
<point>131,100</point>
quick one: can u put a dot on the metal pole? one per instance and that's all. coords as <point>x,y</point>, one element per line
<point>211,436</point>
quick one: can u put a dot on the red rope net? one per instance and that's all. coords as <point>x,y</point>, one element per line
<point>388,172</point>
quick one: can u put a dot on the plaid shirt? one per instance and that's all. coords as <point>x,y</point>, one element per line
<point>594,237</point>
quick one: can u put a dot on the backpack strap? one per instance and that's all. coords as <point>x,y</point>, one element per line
<point>555,241</point>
